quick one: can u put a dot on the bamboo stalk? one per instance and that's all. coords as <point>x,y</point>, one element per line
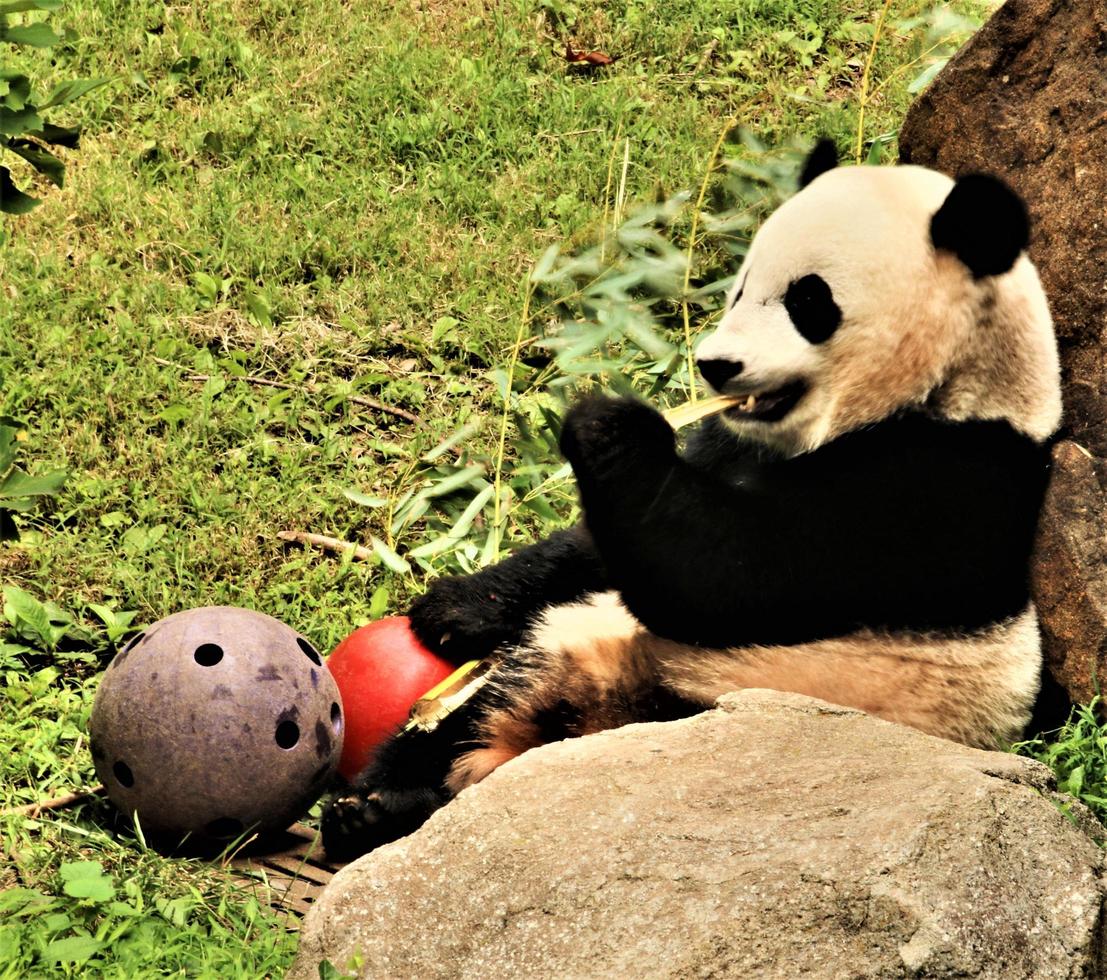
<point>691,412</point>
<point>326,543</point>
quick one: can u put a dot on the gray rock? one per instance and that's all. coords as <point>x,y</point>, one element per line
<point>775,836</point>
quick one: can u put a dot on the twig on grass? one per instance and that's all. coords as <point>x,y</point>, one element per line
<point>54,803</point>
<point>326,543</point>
<point>310,388</point>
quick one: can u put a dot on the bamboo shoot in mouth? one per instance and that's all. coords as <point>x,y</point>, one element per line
<point>691,412</point>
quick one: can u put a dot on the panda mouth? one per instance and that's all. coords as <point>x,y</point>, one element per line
<point>768,406</point>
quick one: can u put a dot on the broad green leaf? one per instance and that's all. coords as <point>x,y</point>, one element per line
<point>73,89</point>
<point>9,436</point>
<point>33,35</point>
<point>57,921</point>
<point>21,505</point>
<point>12,199</point>
<point>175,910</point>
<point>20,6</point>
<point>8,650</point>
<point>14,122</point>
<point>378,604</point>
<point>328,971</point>
<point>117,623</point>
<point>175,414</point>
<point>71,949</point>
<point>207,286</point>
<point>67,136</point>
<point>22,608</point>
<point>443,327</point>
<point>15,89</point>
<point>259,308</point>
<point>42,160</point>
<point>20,484</point>
<point>13,899</point>
<point>86,879</point>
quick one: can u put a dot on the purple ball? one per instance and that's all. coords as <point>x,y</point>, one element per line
<point>216,722</point>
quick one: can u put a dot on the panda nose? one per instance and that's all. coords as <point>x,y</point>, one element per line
<point>717,372</point>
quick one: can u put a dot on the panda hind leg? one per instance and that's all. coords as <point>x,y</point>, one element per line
<point>412,773</point>
<point>586,667</point>
<point>394,795</point>
<point>583,668</point>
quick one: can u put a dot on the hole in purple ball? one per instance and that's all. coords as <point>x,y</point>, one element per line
<point>134,642</point>
<point>123,774</point>
<point>288,734</point>
<point>310,651</point>
<point>336,717</point>
<point>208,655</point>
<point>224,828</point>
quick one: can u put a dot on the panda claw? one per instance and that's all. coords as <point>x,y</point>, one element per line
<point>353,825</point>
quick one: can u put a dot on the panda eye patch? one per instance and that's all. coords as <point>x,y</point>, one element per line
<point>810,304</point>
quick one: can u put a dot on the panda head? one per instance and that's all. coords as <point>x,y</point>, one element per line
<point>876,289</point>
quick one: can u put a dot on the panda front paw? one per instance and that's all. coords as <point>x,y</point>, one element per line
<point>360,820</point>
<point>603,436</point>
<point>463,619</point>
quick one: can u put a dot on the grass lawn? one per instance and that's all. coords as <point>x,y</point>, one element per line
<point>280,216</point>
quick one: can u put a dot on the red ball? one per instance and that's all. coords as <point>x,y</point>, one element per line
<point>381,670</point>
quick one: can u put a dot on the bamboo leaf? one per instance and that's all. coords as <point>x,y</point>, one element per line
<point>459,529</point>
<point>389,558</point>
<point>363,499</point>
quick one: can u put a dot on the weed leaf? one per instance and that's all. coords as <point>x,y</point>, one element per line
<point>86,879</point>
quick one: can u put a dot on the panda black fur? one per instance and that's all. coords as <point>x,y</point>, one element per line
<point>859,530</point>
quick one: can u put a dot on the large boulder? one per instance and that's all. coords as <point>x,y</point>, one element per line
<point>1026,99</point>
<point>774,836</point>
<point>1070,573</point>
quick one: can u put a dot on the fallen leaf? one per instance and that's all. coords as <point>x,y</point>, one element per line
<point>594,58</point>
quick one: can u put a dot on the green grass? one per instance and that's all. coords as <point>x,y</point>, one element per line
<point>1077,754</point>
<point>346,201</point>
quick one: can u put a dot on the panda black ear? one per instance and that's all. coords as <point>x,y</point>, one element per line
<point>984,223</point>
<point>823,157</point>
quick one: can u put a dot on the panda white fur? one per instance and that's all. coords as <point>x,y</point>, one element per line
<point>858,529</point>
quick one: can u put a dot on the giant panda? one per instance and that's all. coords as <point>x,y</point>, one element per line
<point>857,528</point>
